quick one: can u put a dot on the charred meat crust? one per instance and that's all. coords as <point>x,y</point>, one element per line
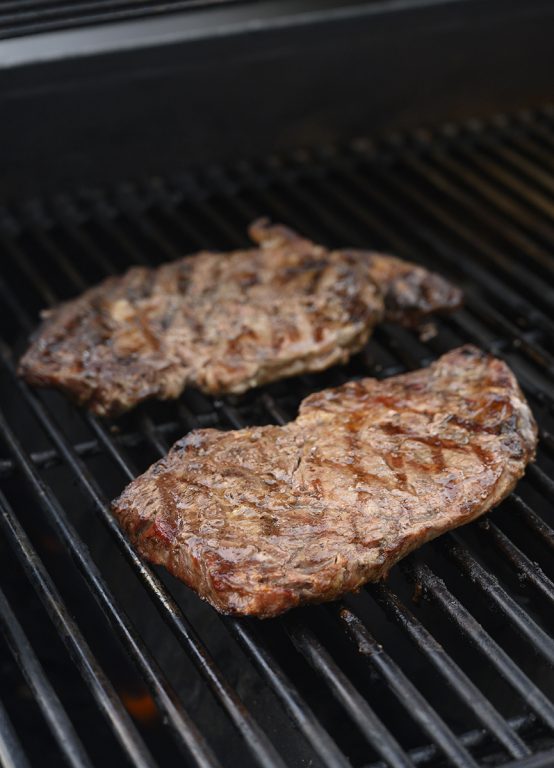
<point>264,519</point>
<point>225,322</point>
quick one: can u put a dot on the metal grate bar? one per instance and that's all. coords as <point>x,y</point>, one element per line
<point>530,158</point>
<point>525,244</point>
<point>410,698</point>
<point>88,448</point>
<point>175,716</point>
<point>298,709</point>
<point>418,228</point>
<point>470,739</point>
<point>507,175</point>
<point>511,155</point>
<point>538,201</point>
<point>470,628</point>
<point>531,571</point>
<point>418,199</point>
<point>39,286</point>
<point>92,674</point>
<point>490,586</point>
<point>535,522</point>
<point>33,218</point>
<point>501,224</point>
<point>11,751</point>
<point>15,308</point>
<point>479,278</point>
<point>483,179</point>
<point>504,166</point>
<point>65,216</point>
<point>103,216</point>
<point>46,697</point>
<point>442,183</point>
<point>135,212</point>
<point>543,760</point>
<point>456,678</point>
<point>538,137</point>
<point>361,713</point>
<point>506,178</point>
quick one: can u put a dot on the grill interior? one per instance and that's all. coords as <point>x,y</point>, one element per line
<point>105,660</point>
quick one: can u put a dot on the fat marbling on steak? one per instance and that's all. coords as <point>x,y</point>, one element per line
<point>263,519</point>
<point>225,322</point>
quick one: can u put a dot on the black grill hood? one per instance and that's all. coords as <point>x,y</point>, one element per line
<point>215,81</point>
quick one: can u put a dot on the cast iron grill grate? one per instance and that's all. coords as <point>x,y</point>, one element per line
<point>450,663</point>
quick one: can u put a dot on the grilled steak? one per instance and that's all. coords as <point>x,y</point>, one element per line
<point>263,519</point>
<point>225,322</point>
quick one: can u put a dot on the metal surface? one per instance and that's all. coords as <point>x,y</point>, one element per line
<point>448,664</point>
<point>25,17</point>
<point>296,73</point>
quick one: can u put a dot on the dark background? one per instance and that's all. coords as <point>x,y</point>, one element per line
<point>158,95</point>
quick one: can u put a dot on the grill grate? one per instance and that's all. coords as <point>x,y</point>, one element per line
<point>109,657</point>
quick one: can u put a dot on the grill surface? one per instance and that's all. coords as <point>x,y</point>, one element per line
<point>447,664</point>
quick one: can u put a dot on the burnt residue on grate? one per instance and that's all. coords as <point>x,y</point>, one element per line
<point>450,663</point>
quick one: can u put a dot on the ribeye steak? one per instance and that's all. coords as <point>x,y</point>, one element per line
<point>263,519</point>
<point>225,322</point>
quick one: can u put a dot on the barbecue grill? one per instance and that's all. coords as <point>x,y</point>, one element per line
<point>105,660</point>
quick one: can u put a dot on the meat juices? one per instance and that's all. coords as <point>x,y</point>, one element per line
<point>225,323</point>
<point>264,519</point>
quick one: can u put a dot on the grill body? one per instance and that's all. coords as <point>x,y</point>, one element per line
<point>226,80</point>
<point>106,661</point>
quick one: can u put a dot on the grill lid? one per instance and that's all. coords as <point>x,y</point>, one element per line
<point>449,662</point>
<point>30,17</point>
<point>26,17</point>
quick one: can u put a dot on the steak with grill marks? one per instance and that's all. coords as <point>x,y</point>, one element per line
<point>263,519</point>
<point>225,322</point>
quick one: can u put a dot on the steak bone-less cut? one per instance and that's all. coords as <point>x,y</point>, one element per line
<point>263,519</point>
<point>225,322</point>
